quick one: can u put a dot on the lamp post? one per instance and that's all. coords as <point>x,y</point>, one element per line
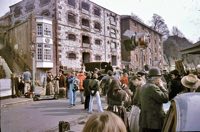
<point>33,65</point>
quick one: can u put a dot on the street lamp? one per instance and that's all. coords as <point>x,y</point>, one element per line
<point>33,65</point>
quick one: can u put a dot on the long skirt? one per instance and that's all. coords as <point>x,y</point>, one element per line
<point>134,119</point>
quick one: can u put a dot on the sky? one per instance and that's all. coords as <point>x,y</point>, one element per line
<point>183,14</point>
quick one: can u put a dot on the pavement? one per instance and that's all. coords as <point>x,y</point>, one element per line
<point>13,101</point>
<point>16,100</point>
<point>76,124</point>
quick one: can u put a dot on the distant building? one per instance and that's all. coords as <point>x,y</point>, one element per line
<point>150,54</point>
<point>64,33</point>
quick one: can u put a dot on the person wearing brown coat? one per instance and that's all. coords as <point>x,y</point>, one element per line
<point>116,98</point>
<point>152,96</point>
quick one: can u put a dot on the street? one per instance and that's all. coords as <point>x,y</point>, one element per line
<point>42,116</point>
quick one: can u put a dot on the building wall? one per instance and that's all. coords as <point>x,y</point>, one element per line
<point>151,55</point>
<point>58,10</point>
<point>64,28</point>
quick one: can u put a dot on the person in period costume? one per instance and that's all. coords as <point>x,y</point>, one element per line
<point>152,96</point>
<point>81,76</point>
<point>191,83</point>
<point>87,90</point>
<point>49,86</point>
<point>115,99</point>
<point>94,92</point>
<point>175,85</point>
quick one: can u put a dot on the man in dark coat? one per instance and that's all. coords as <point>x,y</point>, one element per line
<point>152,96</point>
<point>87,90</point>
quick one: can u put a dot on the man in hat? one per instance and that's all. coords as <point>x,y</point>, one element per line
<point>191,83</point>
<point>152,96</point>
<point>175,85</point>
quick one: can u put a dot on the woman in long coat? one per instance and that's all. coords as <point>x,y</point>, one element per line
<point>116,98</point>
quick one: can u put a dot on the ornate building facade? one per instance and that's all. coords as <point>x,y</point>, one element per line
<point>68,33</point>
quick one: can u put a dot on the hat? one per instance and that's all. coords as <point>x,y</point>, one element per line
<point>141,73</point>
<point>175,72</point>
<point>190,81</point>
<point>154,72</point>
<point>110,73</point>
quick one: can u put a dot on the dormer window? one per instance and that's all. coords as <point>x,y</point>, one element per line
<point>17,11</point>
<point>45,13</point>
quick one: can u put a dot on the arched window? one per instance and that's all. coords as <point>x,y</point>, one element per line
<point>45,13</point>
<point>72,37</point>
<point>71,17</point>
<point>72,56</point>
<point>97,41</point>
<point>97,26</point>
<point>85,22</point>
<point>97,57</point>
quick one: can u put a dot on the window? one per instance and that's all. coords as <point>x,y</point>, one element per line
<point>85,39</point>
<point>72,56</point>
<point>97,26</point>
<point>17,11</point>
<point>39,29</point>
<point>44,2</point>
<point>97,11</point>
<point>44,52</point>
<point>85,22</point>
<point>45,13</point>
<point>85,6</point>
<point>39,52</point>
<point>72,3</point>
<point>114,60</point>
<point>98,57</point>
<point>47,29</point>
<point>72,37</point>
<point>113,20</point>
<point>113,33</point>
<point>47,52</point>
<point>71,18</point>
<point>98,42</point>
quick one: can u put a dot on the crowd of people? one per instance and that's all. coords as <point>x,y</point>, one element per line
<point>143,91</point>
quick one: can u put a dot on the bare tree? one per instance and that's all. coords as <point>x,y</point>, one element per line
<point>177,32</point>
<point>158,24</point>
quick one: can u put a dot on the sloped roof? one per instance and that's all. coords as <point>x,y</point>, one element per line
<point>193,49</point>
